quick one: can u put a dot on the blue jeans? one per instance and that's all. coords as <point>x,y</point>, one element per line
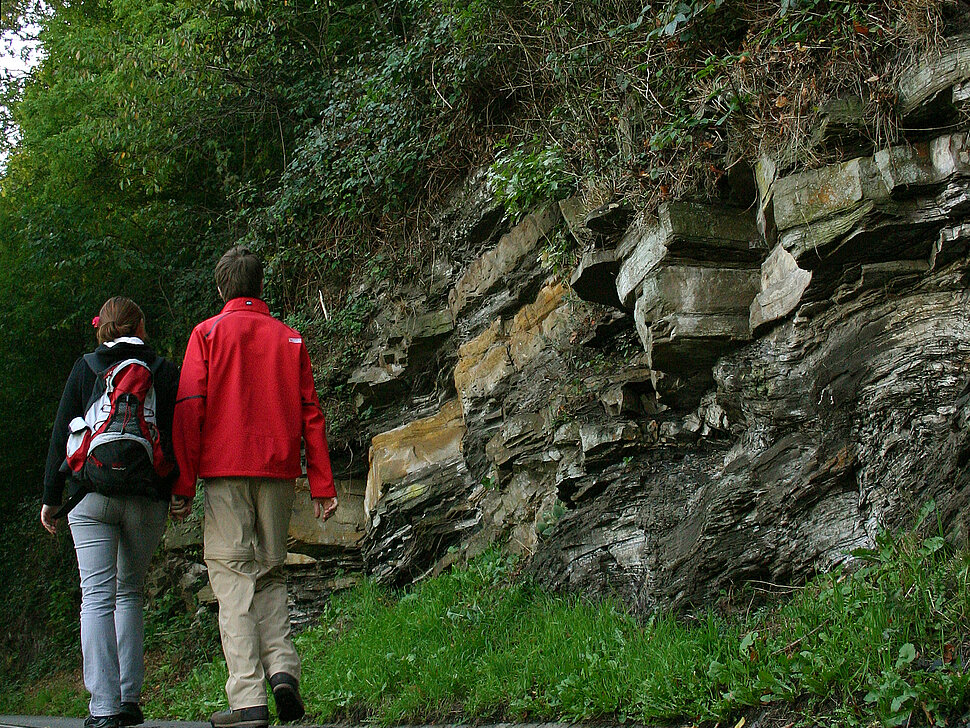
<point>114,539</point>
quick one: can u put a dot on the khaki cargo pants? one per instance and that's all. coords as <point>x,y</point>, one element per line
<point>246,525</point>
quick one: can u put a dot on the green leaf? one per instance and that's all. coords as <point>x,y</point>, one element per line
<point>907,653</point>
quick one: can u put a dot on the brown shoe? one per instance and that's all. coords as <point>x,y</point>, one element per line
<point>286,692</point>
<point>255,717</point>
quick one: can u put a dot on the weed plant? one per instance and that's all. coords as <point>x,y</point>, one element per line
<point>882,642</point>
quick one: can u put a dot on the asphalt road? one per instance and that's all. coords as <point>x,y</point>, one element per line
<point>46,721</point>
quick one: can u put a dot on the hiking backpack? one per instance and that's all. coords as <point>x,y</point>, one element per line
<point>115,448</point>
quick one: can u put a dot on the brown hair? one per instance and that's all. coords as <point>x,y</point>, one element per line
<point>239,274</point>
<point>119,316</point>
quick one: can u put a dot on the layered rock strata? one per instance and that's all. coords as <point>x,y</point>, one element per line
<point>723,393</point>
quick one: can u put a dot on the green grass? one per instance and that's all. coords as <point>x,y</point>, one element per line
<point>60,694</point>
<point>882,644</point>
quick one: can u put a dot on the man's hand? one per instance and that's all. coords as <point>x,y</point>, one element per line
<point>179,507</point>
<point>47,518</point>
<point>323,508</point>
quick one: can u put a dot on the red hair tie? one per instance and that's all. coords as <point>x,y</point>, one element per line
<point>96,321</point>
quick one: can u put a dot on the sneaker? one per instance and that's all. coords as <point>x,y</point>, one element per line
<point>255,717</point>
<point>130,715</point>
<point>286,692</point>
<point>107,721</point>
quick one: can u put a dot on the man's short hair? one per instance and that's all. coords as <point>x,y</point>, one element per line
<point>239,274</point>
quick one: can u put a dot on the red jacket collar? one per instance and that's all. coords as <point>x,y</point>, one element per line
<point>246,304</point>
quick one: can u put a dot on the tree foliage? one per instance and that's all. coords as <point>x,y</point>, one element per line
<point>144,131</point>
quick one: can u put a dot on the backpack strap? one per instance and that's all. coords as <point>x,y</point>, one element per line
<point>69,504</point>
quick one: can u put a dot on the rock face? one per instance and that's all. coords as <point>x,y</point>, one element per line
<point>933,85</point>
<point>336,540</point>
<point>844,416</point>
<point>844,427</point>
<point>722,394</point>
<point>782,285</point>
<point>417,495</point>
<point>718,394</point>
<point>500,266</point>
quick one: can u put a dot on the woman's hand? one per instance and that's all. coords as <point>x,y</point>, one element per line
<point>47,518</point>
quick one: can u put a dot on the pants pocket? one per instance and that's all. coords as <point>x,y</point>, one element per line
<point>93,507</point>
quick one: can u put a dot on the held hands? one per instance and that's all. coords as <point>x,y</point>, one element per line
<point>47,518</point>
<point>323,508</point>
<point>179,507</point>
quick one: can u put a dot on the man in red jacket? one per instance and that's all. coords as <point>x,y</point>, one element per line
<point>246,400</point>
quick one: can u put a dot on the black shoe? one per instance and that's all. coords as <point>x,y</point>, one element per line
<point>255,717</point>
<point>286,692</point>
<point>107,721</point>
<point>130,715</point>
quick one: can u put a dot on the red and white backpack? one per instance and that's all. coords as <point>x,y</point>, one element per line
<point>115,448</point>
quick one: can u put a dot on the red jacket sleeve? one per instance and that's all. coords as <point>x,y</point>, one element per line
<point>318,470</point>
<point>189,416</point>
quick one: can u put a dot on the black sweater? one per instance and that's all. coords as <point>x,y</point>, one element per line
<point>77,392</point>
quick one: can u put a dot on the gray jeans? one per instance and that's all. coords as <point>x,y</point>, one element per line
<point>114,539</point>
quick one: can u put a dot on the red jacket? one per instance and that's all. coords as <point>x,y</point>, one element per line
<point>245,400</point>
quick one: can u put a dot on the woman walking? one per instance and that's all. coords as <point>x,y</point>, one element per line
<point>115,529</point>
